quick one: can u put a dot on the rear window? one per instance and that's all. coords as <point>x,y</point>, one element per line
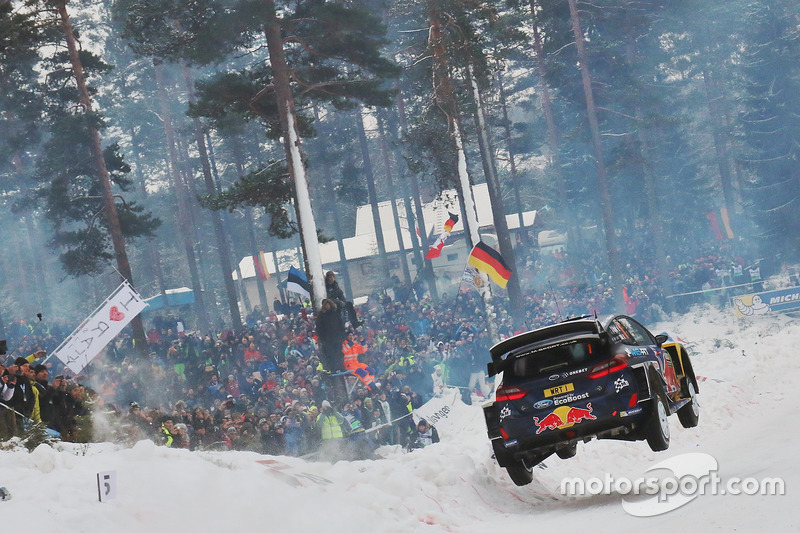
<point>553,358</point>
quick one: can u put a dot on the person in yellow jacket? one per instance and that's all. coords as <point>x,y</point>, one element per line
<point>331,427</point>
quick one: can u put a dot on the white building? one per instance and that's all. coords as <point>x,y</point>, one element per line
<point>361,250</point>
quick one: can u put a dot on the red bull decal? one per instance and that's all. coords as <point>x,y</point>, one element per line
<point>564,417</point>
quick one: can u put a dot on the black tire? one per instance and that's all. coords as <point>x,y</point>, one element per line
<point>689,414</point>
<point>568,452</point>
<point>520,474</point>
<point>657,431</point>
<point>502,457</point>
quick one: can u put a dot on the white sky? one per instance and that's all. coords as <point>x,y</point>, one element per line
<point>453,486</point>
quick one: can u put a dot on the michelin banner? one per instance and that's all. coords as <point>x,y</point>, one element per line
<point>762,303</point>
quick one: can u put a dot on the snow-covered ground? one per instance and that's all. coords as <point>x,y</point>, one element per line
<point>750,387</point>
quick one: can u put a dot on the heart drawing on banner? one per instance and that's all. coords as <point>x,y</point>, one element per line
<point>115,315</point>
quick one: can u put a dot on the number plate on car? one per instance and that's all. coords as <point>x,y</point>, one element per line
<point>561,389</point>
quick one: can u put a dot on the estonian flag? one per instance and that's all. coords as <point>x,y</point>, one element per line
<point>297,282</point>
<point>485,259</point>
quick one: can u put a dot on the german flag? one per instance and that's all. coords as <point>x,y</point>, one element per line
<point>448,226</point>
<point>485,259</point>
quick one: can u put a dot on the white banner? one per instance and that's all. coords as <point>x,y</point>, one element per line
<point>104,324</point>
<point>438,410</point>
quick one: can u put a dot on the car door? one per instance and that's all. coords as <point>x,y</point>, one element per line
<point>645,339</point>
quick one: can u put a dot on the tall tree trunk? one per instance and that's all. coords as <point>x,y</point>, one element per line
<point>21,280</point>
<point>201,245</point>
<point>424,265</point>
<point>369,175</point>
<point>612,250</point>
<point>344,271</point>
<point>655,221</point>
<point>401,249</point>
<point>443,93</point>
<point>223,249</point>
<point>112,218</point>
<point>226,227</point>
<point>252,244</point>
<point>496,199</point>
<point>186,231</point>
<point>151,250</point>
<point>554,148</point>
<point>292,146</point>
<point>41,293</point>
<point>717,115</point>
<point>512,156</point>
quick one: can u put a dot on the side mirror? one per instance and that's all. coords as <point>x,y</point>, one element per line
<point>661,338</point>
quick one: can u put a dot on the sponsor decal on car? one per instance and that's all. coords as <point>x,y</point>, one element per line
<point>542,404</point>
<point>504,412</point>
<point>630,412</point>
<point>573,372</point>
<point>620,383</point>
<point>569,398</point>
<point>632,352</point>
<point>561,389</point>
<point>564,417</point>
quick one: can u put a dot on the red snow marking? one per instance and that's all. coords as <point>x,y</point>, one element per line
<point>434,500</point>
<point>517,496</point>
<point>277,465</point>
<point>481,496</point>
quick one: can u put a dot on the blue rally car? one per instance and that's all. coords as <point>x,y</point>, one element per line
<point>584,378</point>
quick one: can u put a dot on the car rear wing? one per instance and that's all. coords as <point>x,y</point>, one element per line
<point>506,350</point>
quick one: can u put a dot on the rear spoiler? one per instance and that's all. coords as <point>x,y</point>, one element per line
<point>503,349</point>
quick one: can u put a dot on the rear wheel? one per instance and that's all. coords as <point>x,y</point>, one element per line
<point>502,457</point>
<point>657,432</point>
<point>520,474</point>
<point>567,452</point>
<point>689,413</point>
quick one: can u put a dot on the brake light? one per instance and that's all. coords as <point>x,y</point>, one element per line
<point>615,364</point>
<point>505,394</point>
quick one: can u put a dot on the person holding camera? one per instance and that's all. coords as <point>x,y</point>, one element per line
<point>24,399</point>
<point>8,422</point>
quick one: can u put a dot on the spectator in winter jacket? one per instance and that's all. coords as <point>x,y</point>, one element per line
<point>331,335</point>
<point>426,435</point>
<point>336,294</point>
<point>331,427</point>
<point>24,399</point>
<point>8,421</point>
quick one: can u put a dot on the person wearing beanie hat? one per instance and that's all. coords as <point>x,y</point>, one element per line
<point>25,399</point>
<point>336,295</point>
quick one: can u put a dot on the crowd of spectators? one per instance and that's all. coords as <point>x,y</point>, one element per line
<point>266,388</point>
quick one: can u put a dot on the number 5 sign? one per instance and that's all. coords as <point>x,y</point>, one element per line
<point>107,485</point>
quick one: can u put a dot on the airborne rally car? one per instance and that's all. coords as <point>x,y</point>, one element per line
<point>585,378</point>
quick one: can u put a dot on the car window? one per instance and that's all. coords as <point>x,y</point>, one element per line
<point>637,331</point>
<point>568,355</point>
<point>620,334</point>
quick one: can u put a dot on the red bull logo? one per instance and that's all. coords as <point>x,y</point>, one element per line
<point>564,417</point>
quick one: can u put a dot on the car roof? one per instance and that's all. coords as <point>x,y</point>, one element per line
<point>585,325</point>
